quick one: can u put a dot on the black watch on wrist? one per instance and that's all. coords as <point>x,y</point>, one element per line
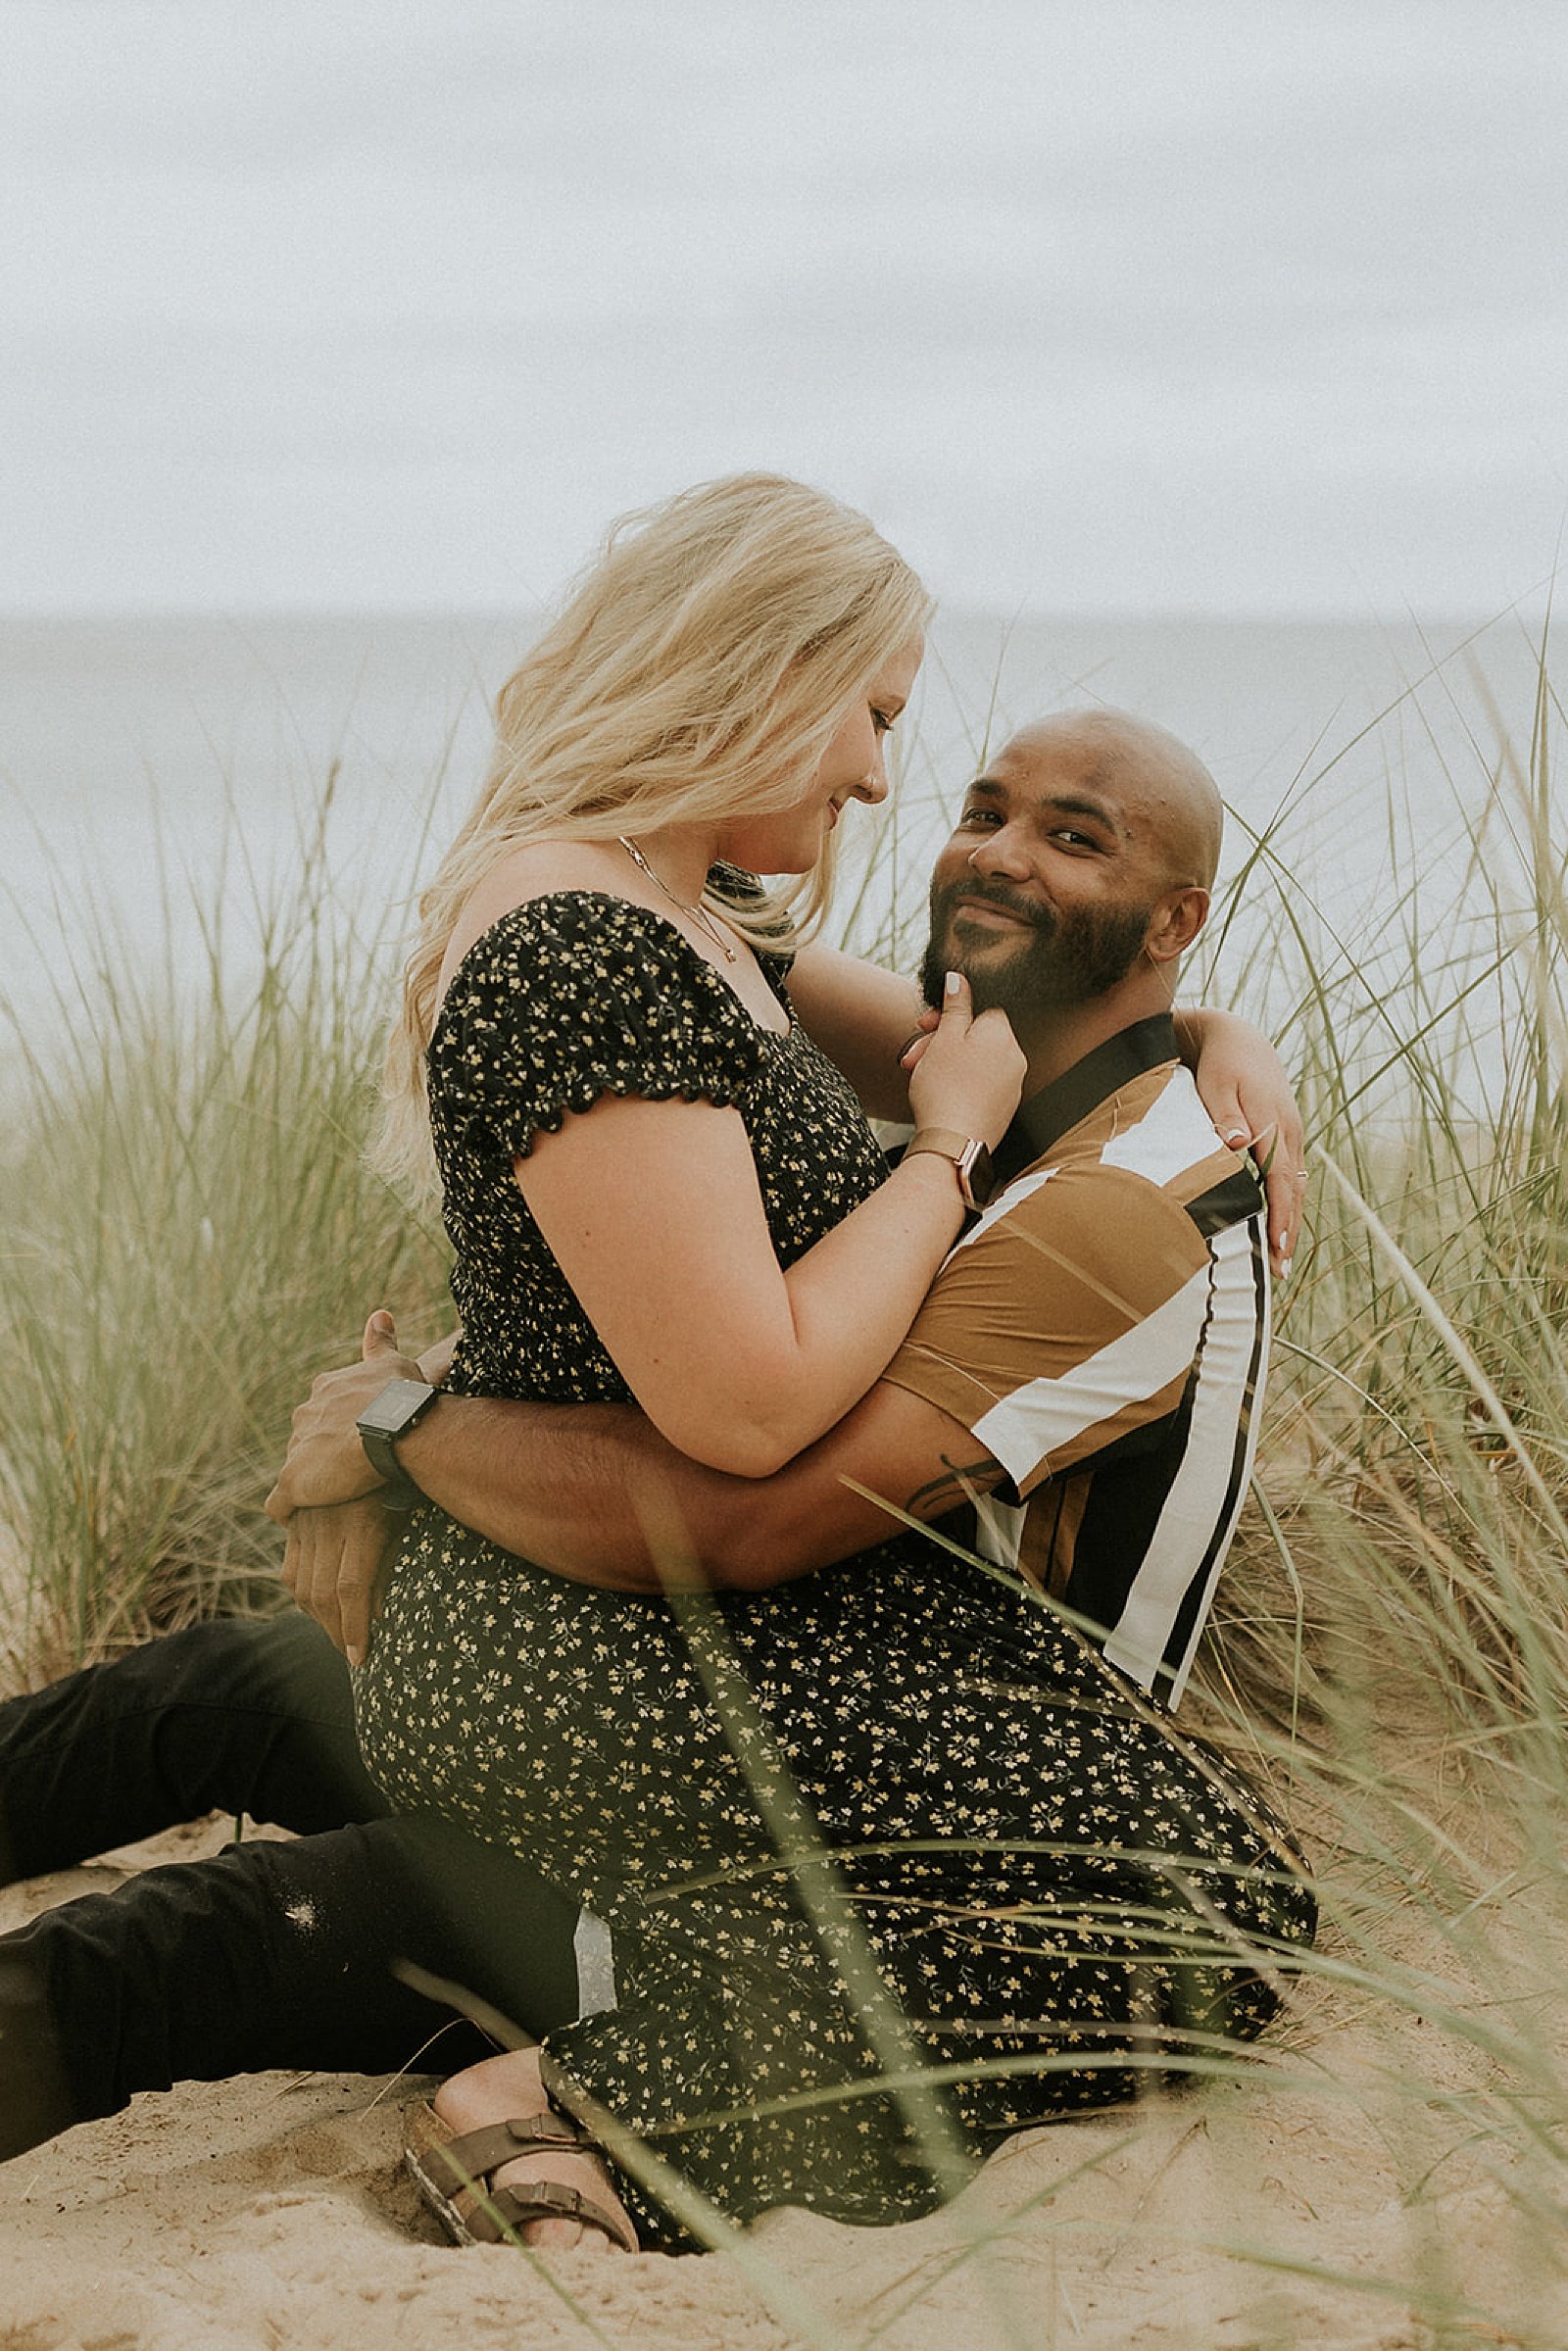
<point>399,1407</point>
<point>971,1161</point>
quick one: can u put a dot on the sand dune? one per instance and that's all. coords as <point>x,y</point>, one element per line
<point>271,2212</point>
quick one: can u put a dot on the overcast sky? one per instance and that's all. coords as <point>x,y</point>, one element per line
<point>1096,305</point>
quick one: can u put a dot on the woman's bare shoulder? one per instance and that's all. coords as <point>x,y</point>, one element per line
<point>533,869</point>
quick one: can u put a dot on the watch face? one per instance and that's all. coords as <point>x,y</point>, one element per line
<point>400,1402</point>
<point>976,1175</point>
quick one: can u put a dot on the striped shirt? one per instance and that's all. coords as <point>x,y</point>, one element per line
<point>1103,1330</point>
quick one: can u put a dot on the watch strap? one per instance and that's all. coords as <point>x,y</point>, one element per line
<point>398,1407</point>
<point>971,1161</point>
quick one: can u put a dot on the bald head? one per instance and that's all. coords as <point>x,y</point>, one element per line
<point>1076,878</point>
<point>1151,780</point>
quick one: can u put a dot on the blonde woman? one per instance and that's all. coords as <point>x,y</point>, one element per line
<point>657,1187</point>
<point>716,693</point>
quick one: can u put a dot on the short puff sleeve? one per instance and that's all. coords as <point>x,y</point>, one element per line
<point>573,996</point>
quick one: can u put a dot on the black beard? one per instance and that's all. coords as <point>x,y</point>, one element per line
<point>1065,960</point>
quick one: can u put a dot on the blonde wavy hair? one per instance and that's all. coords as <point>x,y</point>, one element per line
<point>698,670</point>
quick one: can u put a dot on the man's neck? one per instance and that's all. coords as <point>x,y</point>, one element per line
<point>1112,1061</point>
<point>1074,1030</point>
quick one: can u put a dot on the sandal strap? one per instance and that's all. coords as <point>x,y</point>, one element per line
<point>471,2159</point>
<point>507,2211</point>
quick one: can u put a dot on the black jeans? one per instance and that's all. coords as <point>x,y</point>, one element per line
<point>274,1954</point>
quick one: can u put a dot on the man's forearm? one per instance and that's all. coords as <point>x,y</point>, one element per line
<point>591,1491</point>
<point>594,1493</point>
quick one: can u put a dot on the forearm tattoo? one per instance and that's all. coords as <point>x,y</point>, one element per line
<point>959,1481</point>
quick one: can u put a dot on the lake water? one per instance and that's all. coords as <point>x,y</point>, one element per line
<point>168,772</point>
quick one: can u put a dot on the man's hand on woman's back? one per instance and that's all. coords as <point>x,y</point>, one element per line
<point>325,1493</point>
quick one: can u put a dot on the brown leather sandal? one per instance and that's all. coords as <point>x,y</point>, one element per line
<point>453,2176</point>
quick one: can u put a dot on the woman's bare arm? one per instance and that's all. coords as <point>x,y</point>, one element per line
<point>1247,1093</point>
<point>654,1213</point>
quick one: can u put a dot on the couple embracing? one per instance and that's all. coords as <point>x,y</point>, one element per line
<point>889,1835</point>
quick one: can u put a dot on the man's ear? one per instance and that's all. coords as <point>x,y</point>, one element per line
<point>1175,923</point>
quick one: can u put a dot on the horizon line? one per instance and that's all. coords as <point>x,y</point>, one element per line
<point>1535,604</point>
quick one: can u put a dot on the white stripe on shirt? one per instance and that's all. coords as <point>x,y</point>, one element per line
<point>1194,1521</point>
<point>1030,1424</point>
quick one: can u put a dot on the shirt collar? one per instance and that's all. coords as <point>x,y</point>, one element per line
<point>1044,1117</point>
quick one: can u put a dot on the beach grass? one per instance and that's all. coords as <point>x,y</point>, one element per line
<point>192,1230</point>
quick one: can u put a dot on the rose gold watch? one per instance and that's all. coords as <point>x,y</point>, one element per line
<point>971,1161</point>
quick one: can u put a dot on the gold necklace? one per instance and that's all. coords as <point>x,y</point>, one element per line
<point>698,913</point>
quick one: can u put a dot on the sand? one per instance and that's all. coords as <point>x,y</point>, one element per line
<point>273,2212</point>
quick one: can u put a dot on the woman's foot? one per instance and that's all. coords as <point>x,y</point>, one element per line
<point>501,2088</point>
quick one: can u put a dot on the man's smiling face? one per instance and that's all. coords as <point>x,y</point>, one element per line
<point>1044,892</point>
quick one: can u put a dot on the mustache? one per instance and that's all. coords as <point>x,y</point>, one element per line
<point>996,894</point>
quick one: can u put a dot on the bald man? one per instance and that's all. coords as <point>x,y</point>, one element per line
<point>1085,934</point>
<point>1076,1399</point>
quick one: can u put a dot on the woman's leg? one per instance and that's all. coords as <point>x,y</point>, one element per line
<point>508,2088</point>
<point>1088,1902</point>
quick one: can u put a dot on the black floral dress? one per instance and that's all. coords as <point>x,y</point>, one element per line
<point>889,1818</point>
